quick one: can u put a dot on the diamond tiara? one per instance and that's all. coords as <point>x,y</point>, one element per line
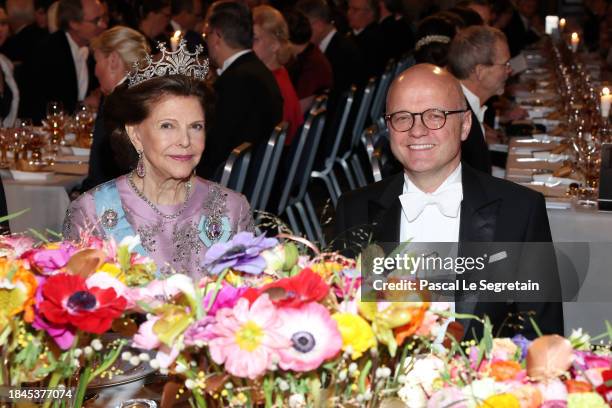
<point>179,62</point>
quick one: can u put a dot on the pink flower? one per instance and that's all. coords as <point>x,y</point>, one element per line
<point>13,246</point>
<point>51,260</point>
<point>227,296</point>
<point>146,338</point>
<point>247,338</point>
<point>448,397</point>
<point>314,336</point>
<point>586,360</point>
<point>63,334</point>
<point>199,332</point>
<point>159,292</point>
<point>553,390</point>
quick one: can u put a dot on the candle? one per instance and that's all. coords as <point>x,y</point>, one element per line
<point>552,22</point>
<point>606,101</point>
<point>575,41</point>
<point>562,24</point>
<point>175,39</point>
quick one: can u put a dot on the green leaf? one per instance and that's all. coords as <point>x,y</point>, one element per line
<point>535,326</point>
<point>14,215</point>
<point>363,375</point>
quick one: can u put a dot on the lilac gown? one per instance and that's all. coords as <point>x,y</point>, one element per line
<point>211,214</point>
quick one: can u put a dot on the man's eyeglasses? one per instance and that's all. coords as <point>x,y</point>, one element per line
<point>98,21</point>
<point>504,64</point>
<point>432,119</point>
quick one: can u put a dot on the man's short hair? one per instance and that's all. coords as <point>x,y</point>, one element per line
<point>472,46</point>
<point>152,6</point>
<point>69,11</point>
<point>299,28</point>
<point>317,9</point>
<point>235,22</point>
<point>178,6</point>
<point>373,5</point>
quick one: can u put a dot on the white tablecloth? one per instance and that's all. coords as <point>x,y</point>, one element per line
<point>47,202</point>
<point>590,310</point>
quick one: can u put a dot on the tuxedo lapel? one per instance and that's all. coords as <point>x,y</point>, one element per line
<point>384,212</point>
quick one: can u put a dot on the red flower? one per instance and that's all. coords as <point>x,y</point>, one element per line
<point>68,299</point>
<point>305,287</point>
<point>605,389</point>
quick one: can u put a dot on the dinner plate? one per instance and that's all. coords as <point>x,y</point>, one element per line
<point>127,372</point>
<point>551,157</point>
<point>548,180</point>
<point>80,151</point>
<point>31,175</point>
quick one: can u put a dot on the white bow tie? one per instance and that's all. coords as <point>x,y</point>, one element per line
<point>448,202</point>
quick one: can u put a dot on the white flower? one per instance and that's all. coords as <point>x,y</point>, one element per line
<point>190,384</point>
<point>154,364</point>
<point>413,396</point>
<point>180,368</point>
<point>88,351</point>
<point>383,372</point>
<point>7,284</point>
<point>352,368</point>
<point>163,371</point>
<point>78,352</point>
<point>283,385</point>
<point>131,242</point>
<point>423,372</point>
<point>580,340</point>
<point>480,390</point>
<point>134,361</point>
<point>342,375</point>
<point>183,283</point>
<point>297,401</point>
<point>144,357</point>
<point>103,280</point>
<point>96,344</point>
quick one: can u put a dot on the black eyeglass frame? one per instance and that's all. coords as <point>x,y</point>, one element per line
<point>389,117</point>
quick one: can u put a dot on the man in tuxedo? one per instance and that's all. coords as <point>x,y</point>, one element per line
<point>342,53</point>
<point>186,14</point>
<point>439,199</point>
<point>479,57</point>
<point>522,29</point>
<point>363,18</point>
<point>249,103</point>
<point>61,68</point>
<point>26,33</point>
<point>396,29</point>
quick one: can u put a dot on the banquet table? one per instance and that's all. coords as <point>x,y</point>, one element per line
<point>47,200</point>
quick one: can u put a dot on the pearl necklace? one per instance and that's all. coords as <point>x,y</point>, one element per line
<point>155,209</point>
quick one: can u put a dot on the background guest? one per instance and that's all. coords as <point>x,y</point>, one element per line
<point>64,57</point>
<point>525,26</point>
<point>9,92</point>
<point>27,34</point>
<point>115,51</point>
<point>433,37</point>
<point>187,18</point>
<point>309,69</point>
<point>363,18</point>
<point>271,45</point>
<point>396,29</point>
<point>154,18</point>
<point>249,103</point>
<point>482,7</point>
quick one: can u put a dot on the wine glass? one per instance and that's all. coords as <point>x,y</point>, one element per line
<point>83,120</point>
<point>55,109</point>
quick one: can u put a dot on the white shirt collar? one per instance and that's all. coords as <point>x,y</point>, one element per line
<point>79,56</point>
<point>478,109</point>
<point>453,178</point>
<point>358,31</point>
<point>231,60</point>
<point>326,40</point>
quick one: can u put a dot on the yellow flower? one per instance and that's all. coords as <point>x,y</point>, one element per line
<point>501,401</point>
<point>113,270</point>
<point>17,289</point>
<point>357,335</point>
<point>326,269</point>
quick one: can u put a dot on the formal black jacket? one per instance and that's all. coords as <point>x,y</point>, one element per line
<point>19,46</point>
<point>249,104</point>
<point>474,149</point>
<point>371,42</point>
<point>398,37</point>
<point>346,61</point>
<point>54,78</point>
<point>492,210</point>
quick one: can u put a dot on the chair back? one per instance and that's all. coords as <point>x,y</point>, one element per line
<point>368,138</point>
<point>381,91</point>
<point>236,166</point>
<point>404,63</point>
<point>302,156</point>
<point>264,165</point>
<point>362,112</point>
<point>335,130</point>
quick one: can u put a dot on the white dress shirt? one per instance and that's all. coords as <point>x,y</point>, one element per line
<point>231,60</point>
<point>478,109</point>
<point>79,56</point>
<point>431,225</point>
<point>326,40</point>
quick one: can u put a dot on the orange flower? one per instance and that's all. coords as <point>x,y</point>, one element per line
<point>407,330</point>
<point>504,370</point>
<point>578,386</point>
<point>17,289</point>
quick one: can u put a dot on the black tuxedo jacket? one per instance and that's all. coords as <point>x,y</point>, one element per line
<point>51,69</point>
<point>346,61</point>
<point>518,36</point>
<point>249,104</point>
<point>371,42</point>
<point>474,149</point>
<point>19,47</point>
<point>398,37</point>
<point>492,210</point>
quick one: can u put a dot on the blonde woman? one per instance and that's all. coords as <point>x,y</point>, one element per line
<point>115,51</point>
<point>271,44</point>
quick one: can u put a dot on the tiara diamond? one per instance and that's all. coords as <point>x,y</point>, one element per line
<point>179,62</point>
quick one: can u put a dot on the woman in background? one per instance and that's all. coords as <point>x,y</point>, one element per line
<point>9,93</point>
<point>115,51</point>
<point>271,44</point>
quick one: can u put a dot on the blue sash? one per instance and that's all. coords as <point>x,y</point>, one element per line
<point>108,201</point>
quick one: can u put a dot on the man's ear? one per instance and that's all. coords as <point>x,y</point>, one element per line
<point>479,71</point>
<point>134,136</point>
<point>466,125</point>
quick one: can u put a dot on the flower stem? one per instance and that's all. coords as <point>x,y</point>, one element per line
<point>53,382</point>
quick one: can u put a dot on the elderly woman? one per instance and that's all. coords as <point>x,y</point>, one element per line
<point>177,215</point>
<point>115,51</point>
<point>271,44</point>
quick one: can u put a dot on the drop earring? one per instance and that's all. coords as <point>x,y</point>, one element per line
<point>140,168</point>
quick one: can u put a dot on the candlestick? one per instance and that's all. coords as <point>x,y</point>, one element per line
<point>575,41</point>
<point>606,101</point>
<point>175,39</point>
<point>552,22</point>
